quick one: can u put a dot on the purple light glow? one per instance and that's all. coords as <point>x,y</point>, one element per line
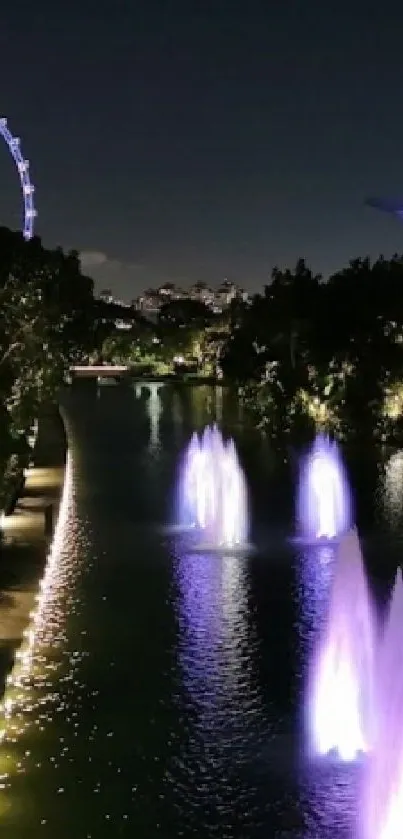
<point>341,697</point>
<point>215,638</point>
<point>324,497</point>
<point>27,187</point>
<point>382,799</point>
<point>212,492</point>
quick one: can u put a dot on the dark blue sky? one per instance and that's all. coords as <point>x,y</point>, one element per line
<point>190,140</point>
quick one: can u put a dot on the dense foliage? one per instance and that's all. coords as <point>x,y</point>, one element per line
<point>46,323</point>
<point>186,336</point>
<point>308,352</point>
<point>305,352</point>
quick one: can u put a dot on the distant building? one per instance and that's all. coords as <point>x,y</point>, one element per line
<point>106,295</point>
<point>166,291</point>
<point>224,295</point>
<point>150,302</point>
<point>202,293</point>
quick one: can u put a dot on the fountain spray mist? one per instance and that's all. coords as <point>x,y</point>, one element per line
<point>381,810</point>
<point>212,490</point>
<point>341,695</point>
<point>324,497</point>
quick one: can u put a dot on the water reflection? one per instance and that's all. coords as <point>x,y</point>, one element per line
<point>44,628</point>
<point>177,412</point>
<point>154,411</point>
<point>44,678</point>
<point>217,642</point>
<point>199,407</point>
<point>328,796</point>
<point>208,404</point>
<point>164,695</point>
<point>226,725</point>
<point>314,574</point>
<point>218,404</point>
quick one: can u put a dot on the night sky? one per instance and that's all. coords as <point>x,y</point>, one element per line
<point>186,140</point>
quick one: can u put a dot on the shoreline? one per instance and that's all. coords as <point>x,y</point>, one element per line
<point>26,535</point>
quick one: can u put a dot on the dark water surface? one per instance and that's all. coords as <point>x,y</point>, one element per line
<point>162,694</point>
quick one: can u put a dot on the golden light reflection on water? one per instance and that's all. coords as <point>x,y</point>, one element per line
<point>29,685</point>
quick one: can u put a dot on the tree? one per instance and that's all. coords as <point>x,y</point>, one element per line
<point>331,351</point>
<point>46,323</point>
<point>185,313</point>
<point>275,326</point>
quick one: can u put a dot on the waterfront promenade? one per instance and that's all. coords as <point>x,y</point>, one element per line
<point>26,534</point>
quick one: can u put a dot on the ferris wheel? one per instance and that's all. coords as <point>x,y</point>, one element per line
<point>27,187</point>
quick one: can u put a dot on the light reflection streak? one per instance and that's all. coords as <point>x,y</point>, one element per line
<point>154,411</point>
<point>217,642</point>
<point>315,569</point>
<point>19,708</point>
<point>218,392</point>
<point>219,690</point>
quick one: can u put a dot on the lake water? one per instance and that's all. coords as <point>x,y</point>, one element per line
<point>164,692</point>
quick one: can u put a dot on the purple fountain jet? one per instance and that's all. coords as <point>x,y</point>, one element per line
<point>381,810</point>
<point>341,696</point>
<point>213,495</point>
<point>324,497</point>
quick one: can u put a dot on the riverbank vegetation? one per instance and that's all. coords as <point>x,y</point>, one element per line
<point>303,353</point>
<point>186,337</point>
<point>309,353</point>
<point>46,323</point>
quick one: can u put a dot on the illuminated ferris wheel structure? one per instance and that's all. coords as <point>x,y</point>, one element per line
<point>14,145</point>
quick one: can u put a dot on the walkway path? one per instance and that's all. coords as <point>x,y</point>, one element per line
<point>25,542</point>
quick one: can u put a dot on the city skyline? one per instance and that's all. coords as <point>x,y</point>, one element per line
<point>214,142</point>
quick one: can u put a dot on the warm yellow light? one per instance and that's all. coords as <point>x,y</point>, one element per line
<point>17,693</point>
<point>317,409</point>
<point>99,369</point>
<point>393,406</point>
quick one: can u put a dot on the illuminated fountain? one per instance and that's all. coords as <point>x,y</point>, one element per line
<point>381,810</point>
<point>213,495</point>
<point>324,497</point>
<point>341,695</point>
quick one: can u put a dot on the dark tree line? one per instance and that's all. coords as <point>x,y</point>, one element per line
<point>46,323</point>
<point>303,352</point>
